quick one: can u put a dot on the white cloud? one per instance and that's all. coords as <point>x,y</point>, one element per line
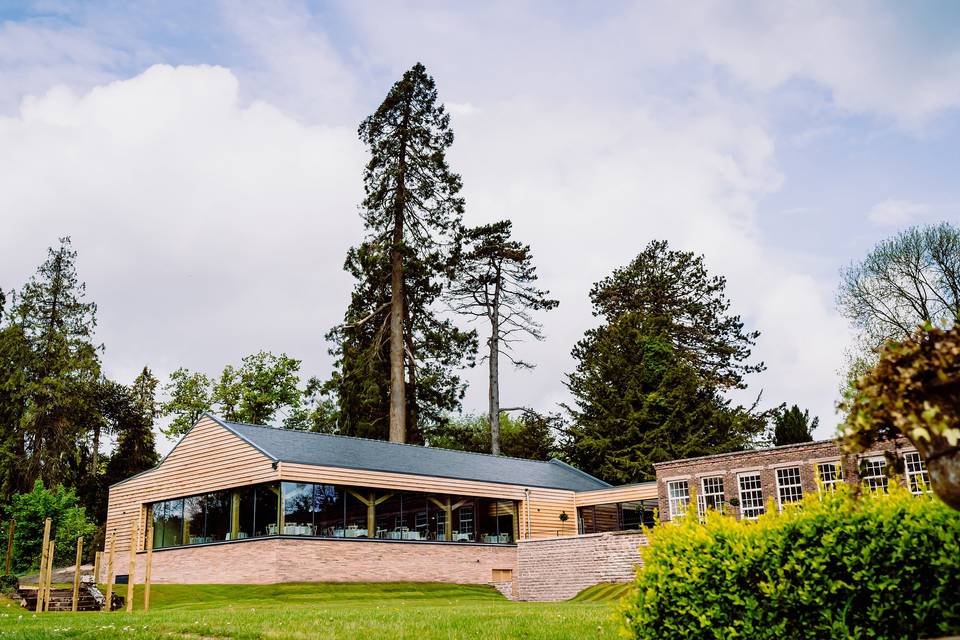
<point>892,213</point>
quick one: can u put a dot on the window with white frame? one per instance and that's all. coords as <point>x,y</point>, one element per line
<point>918,481</point>
<point>830,474</point>
<point>711,495</point>
<point>678,497</point>
<point>751,495</point>
<point>873,473</point>
<point>789,488</point>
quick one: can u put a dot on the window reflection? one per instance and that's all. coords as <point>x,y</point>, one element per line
<point>331,511</point>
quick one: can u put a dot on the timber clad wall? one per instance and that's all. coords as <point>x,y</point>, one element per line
<point>559,568</point>
<point>208,458</point>
<point>272,560</point>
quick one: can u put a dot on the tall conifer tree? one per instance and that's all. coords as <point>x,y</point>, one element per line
<point>395,355</point>
<point>649,380</point>
<point>496,282</point>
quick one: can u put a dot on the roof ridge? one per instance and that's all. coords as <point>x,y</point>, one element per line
<point>405,444</point>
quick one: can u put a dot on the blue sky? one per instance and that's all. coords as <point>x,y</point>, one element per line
<point>204,158</point>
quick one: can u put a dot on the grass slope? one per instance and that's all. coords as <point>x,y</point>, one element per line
<point>399,611</point>
<point>603,592</point>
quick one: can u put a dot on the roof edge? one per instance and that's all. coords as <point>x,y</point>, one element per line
<point>583,473</point>
<point>226,425</point>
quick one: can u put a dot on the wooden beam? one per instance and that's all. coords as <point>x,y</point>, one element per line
<point>234,515</point>
<point>146,575</point>
<point>76,573</point>
<point>43,564</point>
<point>134,534</point>
<point>113,544</point>
<point>50,553</point>
<point>10,528</point>
<point>96,566</point>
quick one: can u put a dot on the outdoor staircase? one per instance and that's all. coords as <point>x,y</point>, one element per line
<point>62,599</point>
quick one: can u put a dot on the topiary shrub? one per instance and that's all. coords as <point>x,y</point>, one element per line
<point>882,566</point>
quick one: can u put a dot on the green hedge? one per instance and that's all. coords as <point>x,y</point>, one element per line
<point>879,566</point>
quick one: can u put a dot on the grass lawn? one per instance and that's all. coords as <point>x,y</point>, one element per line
<point>398,611</point>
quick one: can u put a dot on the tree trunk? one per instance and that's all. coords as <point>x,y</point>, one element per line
<point>398,399</point>
<point>494,362</point>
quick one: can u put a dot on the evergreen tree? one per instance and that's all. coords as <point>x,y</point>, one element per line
<point>56,391</point>
<point>395,356</point>
<point>649,380</point>
<point>792,426</point>
<point>495,282</point>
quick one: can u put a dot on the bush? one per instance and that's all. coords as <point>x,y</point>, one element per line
<point>68,523</point>
<point>9,584</point>
<point>882,566</point>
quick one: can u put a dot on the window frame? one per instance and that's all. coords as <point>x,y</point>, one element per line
<point>719,496</point>
<point>793,490</point>
<point>871,463</point>
<point>911,475</point>
<point>674,500</point>
<point>758,507</point>
<point>831,484</point>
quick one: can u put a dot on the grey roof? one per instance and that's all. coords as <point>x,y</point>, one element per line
<point>377,455</point>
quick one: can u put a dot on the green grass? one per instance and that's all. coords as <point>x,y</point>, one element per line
<point>603,592</point>
<point>399,611</point>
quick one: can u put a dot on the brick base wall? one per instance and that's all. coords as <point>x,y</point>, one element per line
<point>559,568</point>
<point>311,560</point>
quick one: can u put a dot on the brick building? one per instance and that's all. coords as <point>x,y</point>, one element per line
<point>746,483</point>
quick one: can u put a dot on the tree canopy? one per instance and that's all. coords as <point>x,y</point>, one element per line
<point>649,380</point>
<point>793,426</point>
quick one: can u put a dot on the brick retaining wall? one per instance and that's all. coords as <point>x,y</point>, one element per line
<point>559,568</point>
<point>273,560</point>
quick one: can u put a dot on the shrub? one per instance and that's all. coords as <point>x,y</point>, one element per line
<point>68,523</point>
<point>882,566</point>
<point>9,584</point>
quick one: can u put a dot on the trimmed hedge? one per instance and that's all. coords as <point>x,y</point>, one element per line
<point>834,566</point>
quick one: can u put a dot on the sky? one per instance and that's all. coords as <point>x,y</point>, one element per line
<point>203,157</point>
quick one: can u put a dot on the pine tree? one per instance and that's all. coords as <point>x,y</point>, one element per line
<point>57,391</point>
<point>134,412</point>
<point>792,426</point>
<point>649,380</point>
<point>495,282</point>
<point>395,356</point>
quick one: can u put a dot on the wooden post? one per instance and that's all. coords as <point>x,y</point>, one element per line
<point>50,553</point>
<point>134,534</point>
<point>43,565</point>
<point>146,575</point>
<point>76,573</point>
<point>113,544</point>
<point>96,566</point>
<point>10,528</point>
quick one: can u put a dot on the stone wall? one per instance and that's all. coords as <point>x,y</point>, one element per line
<point>559,568</point>
<point>272,560</point>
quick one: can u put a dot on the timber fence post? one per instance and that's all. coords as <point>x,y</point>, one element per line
<point>76,573</point>
<point>43,565</point>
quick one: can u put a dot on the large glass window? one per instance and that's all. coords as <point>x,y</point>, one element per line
<point>218,508</point>
<point>193,517</point>
<point>321,510</point>
<point>789,488</point>
<point>266,499</point>
<point>678,497</point>
<point>918,481</point>
<point>751,495</point>
<point>168,524</point>
<point>297,509</point>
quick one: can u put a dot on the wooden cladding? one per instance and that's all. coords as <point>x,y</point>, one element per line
<point>211,458</point>
<point>627,493</point>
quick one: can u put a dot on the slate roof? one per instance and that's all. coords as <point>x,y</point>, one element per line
<point>377,455</point>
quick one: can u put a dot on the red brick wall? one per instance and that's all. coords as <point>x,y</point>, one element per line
<point>559,568</point>
<point>765,461</point>
<point>311,560</point>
